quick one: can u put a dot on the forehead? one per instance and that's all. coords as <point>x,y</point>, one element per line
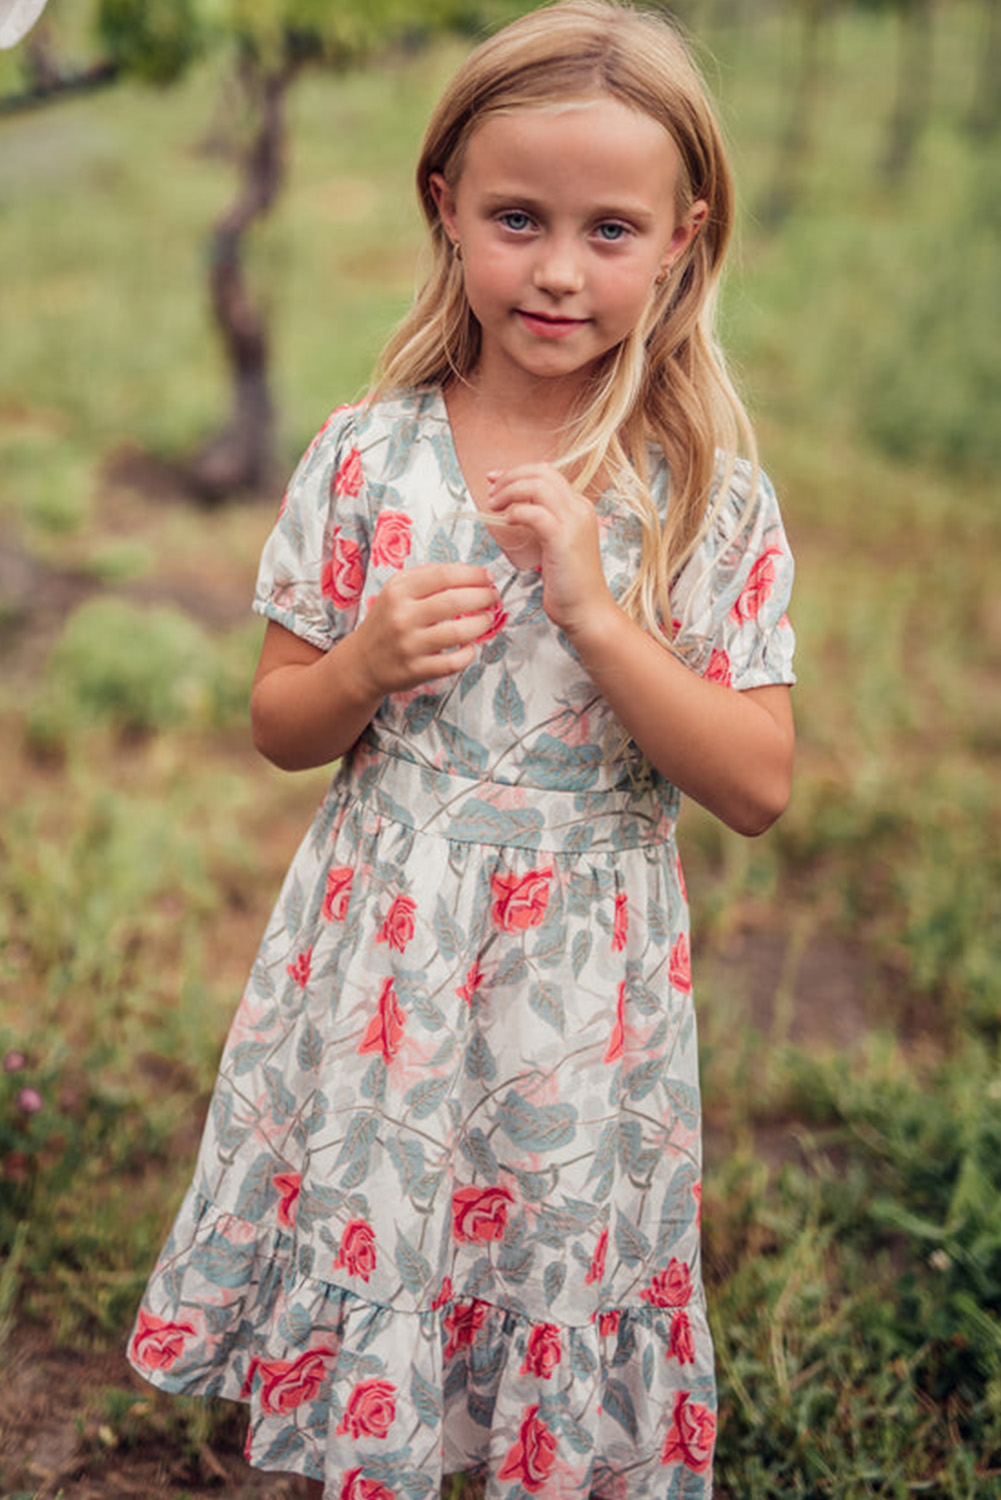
<point>598,143</point>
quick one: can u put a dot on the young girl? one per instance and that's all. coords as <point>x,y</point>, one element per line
<point>446,1213</point>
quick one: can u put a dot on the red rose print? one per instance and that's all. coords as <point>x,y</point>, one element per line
<point>692,1435</point>
<point>681,878</point>
<point>287,1383</point>
<point>348,479</point>
<point>617,1040</point>
<point>498,620</point>
<point>597,1270</point>
<point>520,901</point>
<point>472,983</point>
<point>445,1295</point>
<point>398,928</point>
<point>338,894</point>
<point>288,1185</point>
<point>621,926</point>
<point>760,582</point>
<point>357,1252</point>
<point>391,542</point>
<point>461,1324</point>
<point>159,1342</point>
<point>680,972</point>
<point>370,1410</point>
<point>681,1345</point>
<point>480,1213</point>
<point>300,970</point>
<point>354,1487</point>
<point>718,669</point>
<point>670,1288</point>
<point>532,1458</point>
<point>343,576</point>
<point>608,1323</point>
<point>385,1030</point>
<point>543,1352</point>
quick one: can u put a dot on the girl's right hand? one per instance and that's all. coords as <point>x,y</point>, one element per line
<point>425,624</point>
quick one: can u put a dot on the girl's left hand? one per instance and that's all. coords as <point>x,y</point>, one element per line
<point>563,540</point>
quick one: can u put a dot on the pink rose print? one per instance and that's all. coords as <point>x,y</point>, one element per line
<point>398,928</point>
<point>461,1325</point>
<point>532,1458</point>
<point>357,1252</point>
<point>370,1410</point>
<point>343,576</point>
<point>391,542</point>
<point>543,1352</point>
<point>288,1186</point>
<point>608,1323</point>
<point>617,1040</point>
<point>445,1295</point>
<point>159,1342</point>
<point>760,582</point>
<point>300,970</point>
<point>680,971</point>
<point>354,1487</point>
<point>681,1345</point>
<point>520,901</point>
<point>480,1213</point>
<point>621,926</point>
<point>597,1270</point>
<point>718,669</point>
<point>338,893</point>
<point>287,1383</point>
<point>681,878</point>
<point>385,1030</point>
<point>692,1435</point>
<point>348,479</point>
<point>670,1288</point>
<point>697,1195</point>
<point>472,983</point>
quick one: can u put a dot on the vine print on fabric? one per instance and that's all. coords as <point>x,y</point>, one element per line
<point>446,1211</point>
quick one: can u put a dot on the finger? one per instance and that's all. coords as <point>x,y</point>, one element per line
<point>435,578</point>
<point>457,632</point>
<point>447,663</point>
<point>451,602</point>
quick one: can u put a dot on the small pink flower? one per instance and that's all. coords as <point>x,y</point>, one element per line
<point>158,1342</point>
<point>520,901</point>
<point>542,1352</point>
<point>398,927</point>
<point>371,1409</point>
<point>288,1383</point>
<point>445,1295</point>
<point>692,1435</point>
<point>759,585</point>
<point>462,1322</point>
<point>338,893</point>
<point>288,1185</point>
<point>343,576</point>
<point>597,1270</point>
<point>357,1252</point>
<point>680,972</point>
<point>472,983</point>
<point>718,669</point>
<point>480,1213</point>
<point>385,1030</point>
<point>681,1345</point>
<point>14,1062</point>
<point>608,1323</point>
<point>616,1041</point>
<point>533,1456</point>
<point>30,1101</point>
<point>621,926</point>
<point>348,479</point>
<point>671,1287</point>
<point>299,971</point>
<point>391,542</point>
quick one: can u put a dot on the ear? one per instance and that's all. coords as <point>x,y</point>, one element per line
<point>445,203</point>
<point>684,233</point>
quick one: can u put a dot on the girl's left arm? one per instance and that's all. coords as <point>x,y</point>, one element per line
<point>730,750</point>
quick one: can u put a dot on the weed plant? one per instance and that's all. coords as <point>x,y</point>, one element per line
<point>852,1087</point>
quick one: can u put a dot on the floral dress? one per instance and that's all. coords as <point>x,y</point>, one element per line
<point>446,1211</point>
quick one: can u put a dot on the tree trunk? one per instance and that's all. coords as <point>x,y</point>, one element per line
<point>985,116</point>
<point>797,138</point>
<point>914,72</point>
<point>241,456</point>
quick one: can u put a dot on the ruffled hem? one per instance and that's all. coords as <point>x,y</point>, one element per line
<point>382,1403</point>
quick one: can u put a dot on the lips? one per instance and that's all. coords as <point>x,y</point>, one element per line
<point>548,326</point>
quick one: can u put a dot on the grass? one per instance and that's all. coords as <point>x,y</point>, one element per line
<point>850,975</point>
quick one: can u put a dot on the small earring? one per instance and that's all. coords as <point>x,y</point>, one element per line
<point>663,275</point>
<point>457,249</point>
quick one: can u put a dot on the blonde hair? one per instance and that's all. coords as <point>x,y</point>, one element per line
<point>667,382</point>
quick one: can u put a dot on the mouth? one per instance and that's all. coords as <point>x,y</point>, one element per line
<point>548,325</point>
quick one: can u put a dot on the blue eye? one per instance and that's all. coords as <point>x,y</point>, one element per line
<point>515,219</point>
<point>611,232</point>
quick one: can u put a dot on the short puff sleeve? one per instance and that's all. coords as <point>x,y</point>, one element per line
<point>313,566</point>
<point>730,598</point>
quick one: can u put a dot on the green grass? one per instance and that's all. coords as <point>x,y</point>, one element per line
<point>850,994</point>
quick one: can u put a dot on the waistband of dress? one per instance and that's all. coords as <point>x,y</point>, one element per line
<point>470,811</point>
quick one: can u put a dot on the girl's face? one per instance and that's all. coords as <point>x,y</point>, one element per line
<point>565,218</point>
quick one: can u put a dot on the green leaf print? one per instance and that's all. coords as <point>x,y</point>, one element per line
<point>509,707</point>
<point>536,1128</point>
<point>630,1241</point>
<point>619,1404</point>
<point>447,931</point>
<point>425,1097</point>
<point>415,1272</point>
<point>426,1398</point>
<point>479,1059</point>
<point>546,1001</point>
<point>257,1190</point>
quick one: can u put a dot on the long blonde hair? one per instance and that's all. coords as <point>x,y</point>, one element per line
<point>667,382</point>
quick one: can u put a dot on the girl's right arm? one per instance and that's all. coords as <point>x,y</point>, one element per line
<point>308,707</point>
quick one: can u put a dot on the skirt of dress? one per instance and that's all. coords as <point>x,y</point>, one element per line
<point>446,1210</point>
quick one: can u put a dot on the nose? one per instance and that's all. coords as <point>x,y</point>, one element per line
<point>558,270</point>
